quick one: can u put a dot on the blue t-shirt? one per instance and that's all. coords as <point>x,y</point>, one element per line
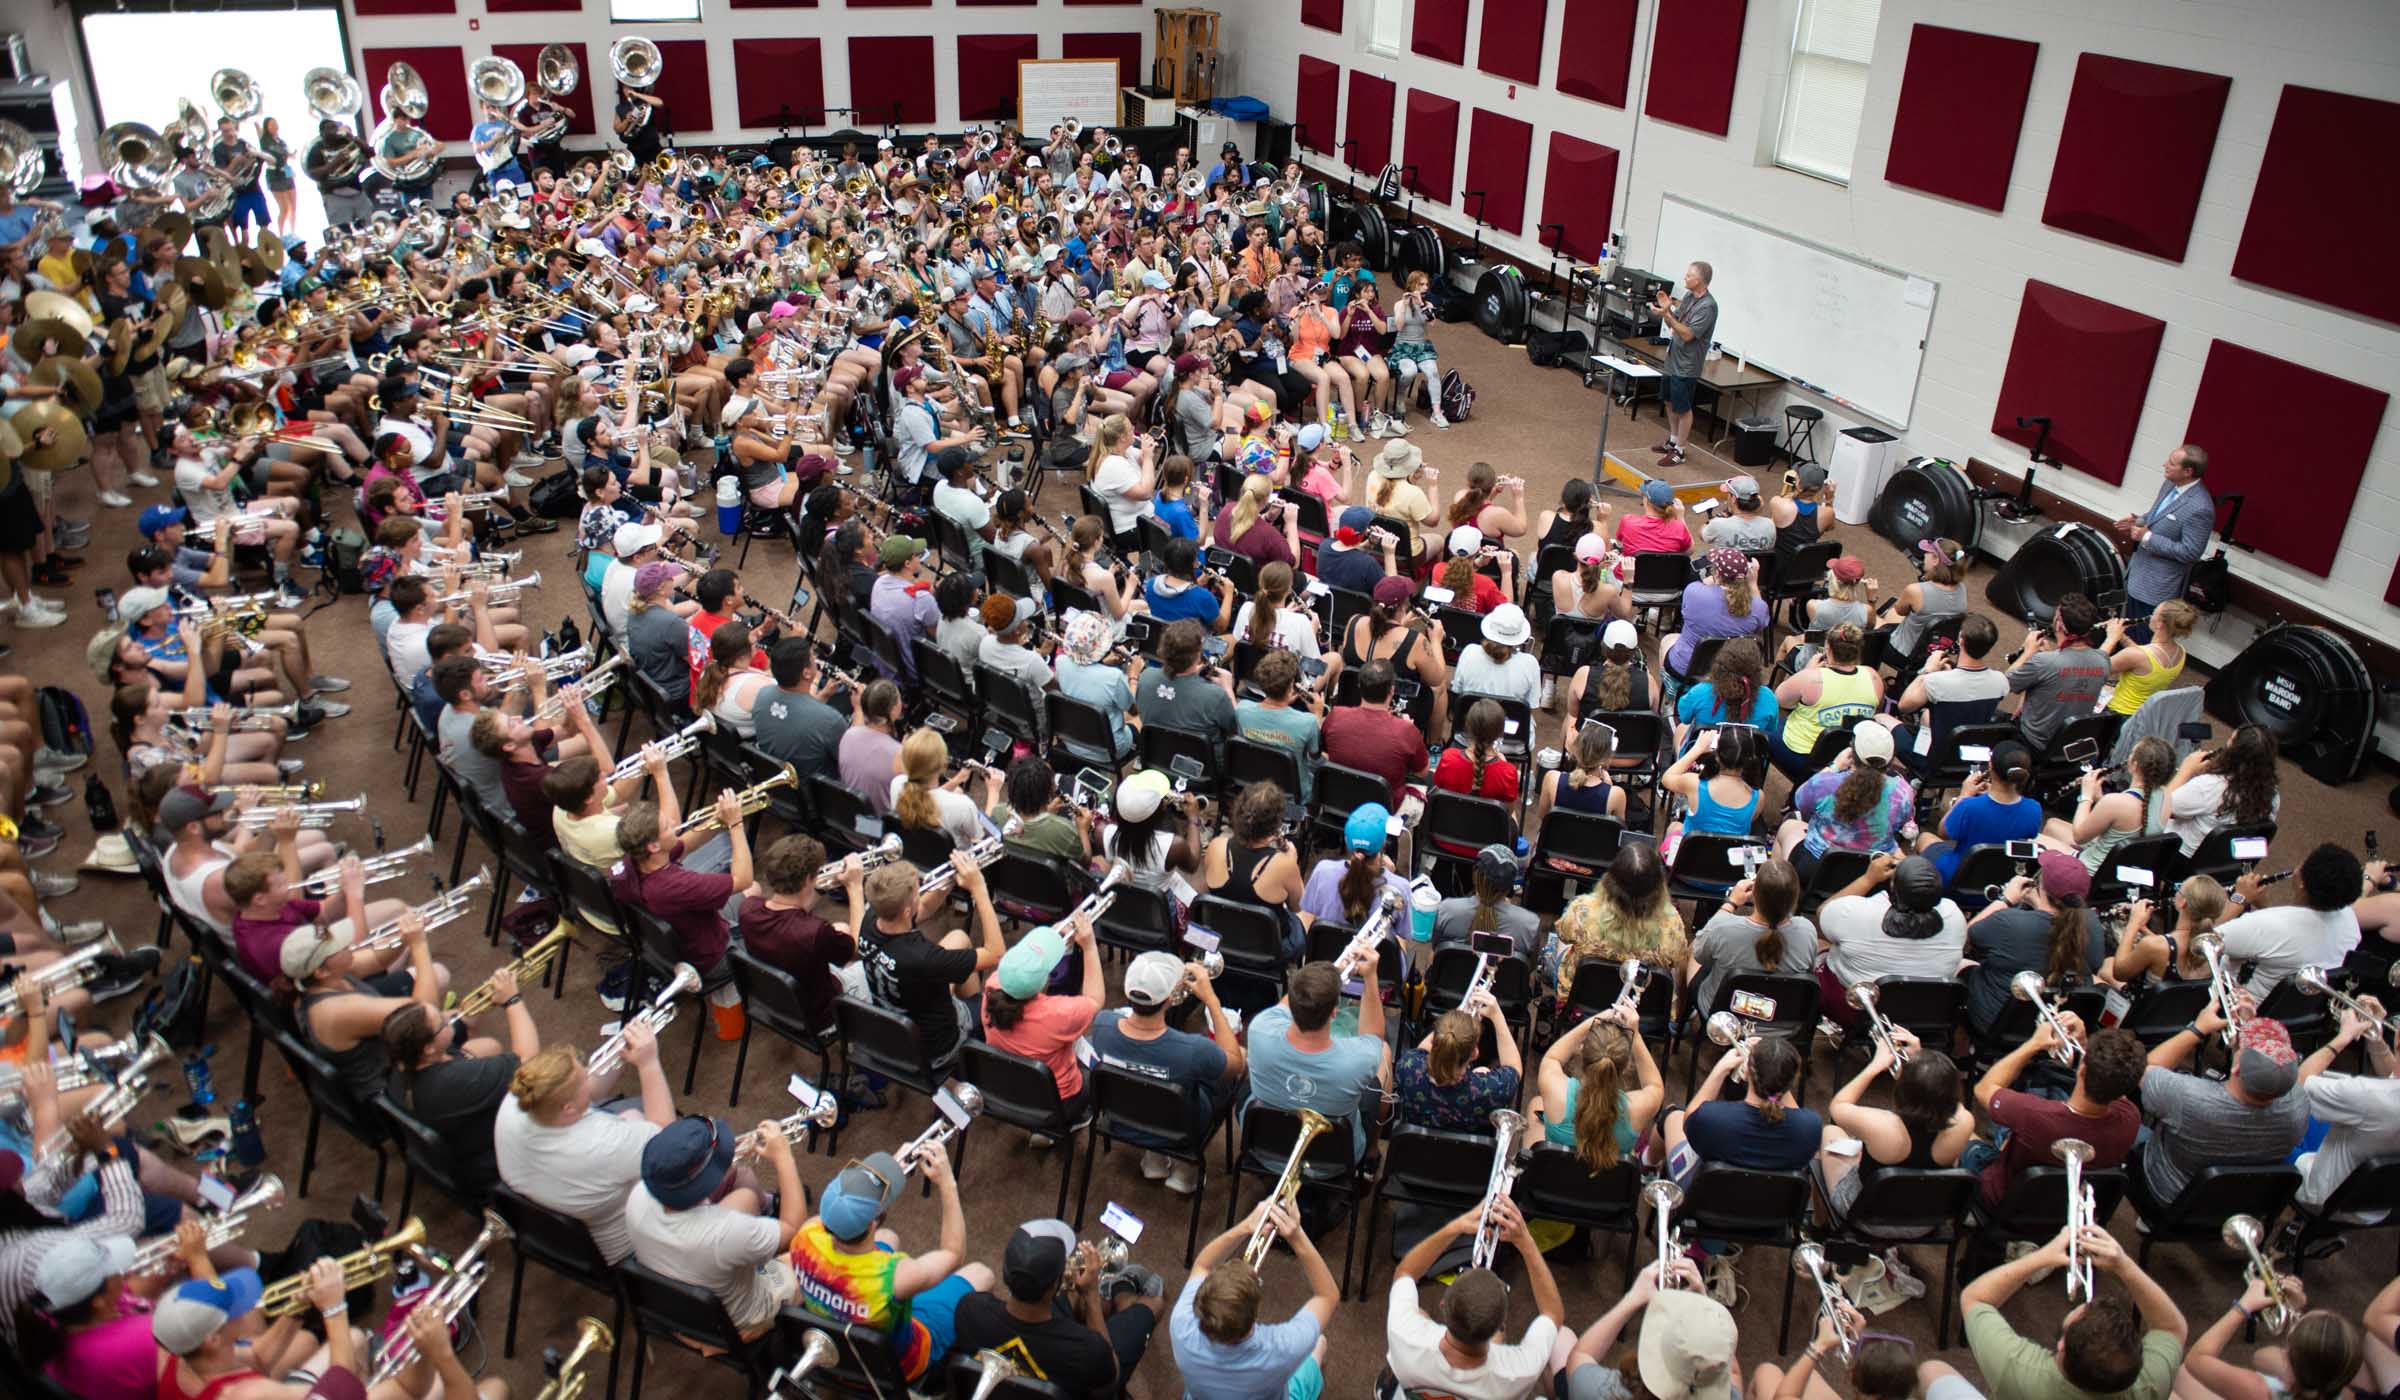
<point>1257,1367</point>
<point>1980,821</point>
<point>1734,1133</point>
<point>1192,1063</point>
<point>1699,706</point>
<point>1192,602</point>
<point>1354,569</point>
<point>1333,1082</point>
<point>16,223</point>
<point>1177,516</point>
<point>1289,727</point>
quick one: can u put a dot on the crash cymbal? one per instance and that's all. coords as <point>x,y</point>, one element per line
<point>79,386</point>
<point>173,303</point>
<point>11,446</point>
<point>254,268</point>
<point>86,264</point>
<point>220,248</point>
<point>54,437</point>
<point>175,226</point>
<point>205,279</point>
<point>61,338</point>
<point>57,306</point>
<point>270,247</point>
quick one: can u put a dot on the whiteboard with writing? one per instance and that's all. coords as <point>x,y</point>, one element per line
<point>1847,328</point>
<point>1050,90</point>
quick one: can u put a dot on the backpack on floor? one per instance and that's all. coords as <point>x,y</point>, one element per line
<point>1458,396</point>
<point>345,560</point>
<point>1548,348</point>
<point>176,1008</point>
<point>66,726</point>
<point>553,497</point>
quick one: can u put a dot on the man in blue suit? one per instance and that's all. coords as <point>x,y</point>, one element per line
<point>2167,539</point>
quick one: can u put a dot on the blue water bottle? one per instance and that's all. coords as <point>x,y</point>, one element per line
<point>247,1148</point>
<point>197,1078</point>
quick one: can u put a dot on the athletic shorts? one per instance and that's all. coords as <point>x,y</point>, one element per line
<point>1410,352</point>
<point>1679,392</point>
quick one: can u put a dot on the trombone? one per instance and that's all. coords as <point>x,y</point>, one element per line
<point>2028,986</point>
<point>2244,1232</point>
<point>448,1298</point>
<point>676,745</point>
<point>1866,996</point>
<point>2083,1211</point>
<point>156,1256</point>
<point>1506,1124</point>
<point>752,800</point>
<point>532,967</point>
<point>883,853</point>
<point>566,1378</point>
<point>1287,1187</point>
<point>391,865</point>
<point>314,816</point>
<point>916,1149</point>
<point>1809,1260</point>
<point>658,1015</point>
<point>288,1297</point>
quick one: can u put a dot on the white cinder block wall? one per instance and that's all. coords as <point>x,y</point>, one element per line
<point>1980,259</point>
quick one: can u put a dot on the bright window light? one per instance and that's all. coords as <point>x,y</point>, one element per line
<point>652,11</point>
<point>1832,44</point>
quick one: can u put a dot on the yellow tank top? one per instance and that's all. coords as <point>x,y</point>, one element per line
<point>1843,697</point>
<point>2133,689</point>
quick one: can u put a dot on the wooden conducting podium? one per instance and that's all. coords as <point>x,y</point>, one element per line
<point>1186,57</point>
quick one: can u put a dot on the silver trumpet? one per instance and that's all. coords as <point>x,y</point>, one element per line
<point>2227,992</point>
<point>472,501</point>
<point>391,865</point>
<point>1664,1196</point>
<point>2083,1210</point>
<point>991,1368</point>
<point>1634,979</point>
<point>943,876</point>
<point>2315,982</point>
<point>313,815</point>
<point>452,1296</point>
<point>494,567</point>
<point>677,745</point>
<point>1737,1035</point>
<point>565,666</point>
<point>815,1354</point>
<point>1354,958</point>
<point>73,970</point>
<point>503,592</point>
<point>81,1070</point>
<point>114,1102</point>
<point>444,908</point>
<point>1506,1124</point>
<point>749,1146</point>
<point>2028,986</point>
<point>658,1015</point>
<point>915,1150</point>
<point>246,718</point>
<point>1479,986</point>
<point>1103,896</point>
<point>595,683</point>
<point>1866,996</point>
<point>1809,1260</point>
<point>882,853</point>
<point>156,1256</point>
<point>2245,1233</point>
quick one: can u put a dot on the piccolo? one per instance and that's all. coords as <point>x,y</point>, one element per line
<point>676,745</point>
<point>156,1256</point>
<point>444,908</point>
<point>943,876</point>
<point>505,591</point>
<point>313,815</point>
<point>246,718</point>
<point>883,853</point>
<point>375,870</point>
<point>750,1146</point>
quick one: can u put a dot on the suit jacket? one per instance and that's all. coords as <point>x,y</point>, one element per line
<point>2177,539</point>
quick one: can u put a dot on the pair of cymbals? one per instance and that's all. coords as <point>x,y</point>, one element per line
<point>175,226</point>
<point>50,436</point>
<point>174,302</point>
<point>270,249</point>
<point>206,281</point>
<point>78,384</point>
<point>45,336</point>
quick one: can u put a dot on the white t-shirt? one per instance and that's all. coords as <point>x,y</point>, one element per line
<point>963,506</point>
<point>616,597</point>
<point>2364,1117</point>
<point>962,822</point>
<point>725,1251</point>
<point>1862,951</point>
<point>208,503</point>
<point>584,1169</point>
<point>1413,1346</point>
<point>423,461</point>
<point>2279,941</point>
<point>405,644</point>
<point>1119,474</point>
<point>1518,678</point>
<point>1293,631</point>
<point>2192,813</point>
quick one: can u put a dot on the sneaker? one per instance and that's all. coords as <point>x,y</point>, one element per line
<point>1897,1274</point>
<point>143,479</point>
<point>40,613</point>
<point>1827,1029</point>
<point>50,886</point>
<point>124,973</point>
<point>115,500</point>
<point>289,594</point>
<point>79,932</point>
<point>516,480</point>
<point>1134,1279</point>
<point>1674,458</point>
<point>47,757</point>
<point>290,768</point>
<point>312,557</point>
<point>33,847</point>
<point>1185,1179</point>
<point>612,987</point>
<point>1549,690</point>
<point>1040,1142</point>
<point>1663,447</point>
<point>1722,1283</point>
<point>530,459</point>
<point>1397,425</point>
<point>325,684</point>
<point>846,449</point>
<point>1156,1166</point>
<point>47,794</point>
<point>328,709</point>
<point>1438,420</point>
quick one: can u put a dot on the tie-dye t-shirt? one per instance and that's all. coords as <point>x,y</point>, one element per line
<point>850,1287</point>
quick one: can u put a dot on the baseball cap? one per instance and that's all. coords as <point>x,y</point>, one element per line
<point>1200,320</point>
<point>633,538</point>
<point>650,578</point>
<point>340,1382</point>
<point>1849,568</point>
<point>309,947</point>
<point>1620,633</point>
<point>1590,549</point>
<point>184,1320</point>
<point>1742,488</point>
<point>159,517</point>
<point>899,549</point>
<point>1036,1259</point>
<point>2063,875</point>
<point>1187,365</point>
<point>1726,562</point>
<point>1658,493</point>
<point>1499,865</point>
<point>1393,589</point>
<point>1139,797</point>
<point>1812,477</point>
<point>1025,969</point>
<point>140,602</point>
<point>1916,883</point>
<point>1357,518</point>
<point>1686,1350</point>
<point>859,1194</point>
<point>1261,410</point>
<point>1466,539</point>
<point>74,1269</point>
<point>684,1162</point>
<point>2267,1062</point>
<point>1367,828</point>
<point>1155,280</point>
<point>188,804</point>
<point>1152,978</point>
<point>782,309</point>
<point>1311,436</point>
<point>1872,743</point>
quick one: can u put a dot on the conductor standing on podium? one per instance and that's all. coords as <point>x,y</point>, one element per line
<point>1688,323</point>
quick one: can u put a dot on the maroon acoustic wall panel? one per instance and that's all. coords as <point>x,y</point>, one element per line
<point>2299,494</point>
<point>444,69</point>
<point>1512,39</point>
<point>2320,227</point>
<point>891,5</point>
<point>1962,101</point>
<point>1104,2</point>
<point>1320,92</point>
<point>529,7</point>
<point>2133,151</point>
<point>1579,190</point>
<point>2391,591</point>
<point>683,84</point>
<point>1440,30</point>
<point>1369,122</point>
<point>774,5</point>
<point>995,2</point>
<point>987,74</point>
<point>1497,149</point>
<point>378,8</point>
<point>778,82</point>
<point>1430,143</point>
<point>1695,50</point>
<point>2086,365</point>
<point>1595,49</point>
<point>1322,14</point>
<point>891,78</point>
<point>1126,49</point>
<point>579,101</point>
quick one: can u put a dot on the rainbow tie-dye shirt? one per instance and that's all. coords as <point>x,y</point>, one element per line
<point>848,1287</point>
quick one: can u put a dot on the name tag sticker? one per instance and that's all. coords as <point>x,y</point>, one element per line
<point>1924,744</point>
<point>1122,1222</point>
<point>806,1094</point>
<point>2136,875</point>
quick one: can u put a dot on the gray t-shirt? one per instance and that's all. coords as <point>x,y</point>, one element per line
<point>1192,415</point>
<point>1728,944</point>
<point>801,730</point>
<point>2197,1123</point>
<point>1454,924</point>
<point>471,767</point>
<point>1685,357</point>
<point>661,643</point>
<point>1739,531</point>
<point>2007,943</point>
<point>1862,951</point>
<point>1938,600</point>
<point>2059,686</point>
<point>1191,702</point>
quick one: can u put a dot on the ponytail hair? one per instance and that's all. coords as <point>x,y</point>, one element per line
<point>1274,590</point>
<point>922,757</point>
<point>1774,895</point>
<point>728,650</point>
<point>1360,881</point>
<point>1481,482</point>
<point>1109,438</point>
<point>1774,1067</point>
<point>2067,952</point>
<point>1455,1036</point>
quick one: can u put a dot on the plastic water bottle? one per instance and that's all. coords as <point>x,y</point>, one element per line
<point>729,506</point>
<point>197,1078</point>
<point>1423,900</point>
<point>248,1149</point>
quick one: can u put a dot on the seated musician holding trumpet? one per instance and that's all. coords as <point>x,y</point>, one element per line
<point>456,1087</point>
<point>561,1141</point>
<point>697,902</point>
<point>218,1343</point>
<point>263,497</point>
<point>268,907</point>
<point>170,561</point>
<point>179,654</point>
<point>211,827</point>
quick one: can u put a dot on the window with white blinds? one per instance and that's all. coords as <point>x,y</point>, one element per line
<point>1832,44</point>
<point>1383,27</point>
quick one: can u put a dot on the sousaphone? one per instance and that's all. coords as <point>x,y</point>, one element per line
<point>557,73</point>
<point>635,61</point>
<point>237,96</point>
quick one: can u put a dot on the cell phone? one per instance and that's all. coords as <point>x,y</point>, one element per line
<point>1704,506</point>
<point>1499,945</point>
<point>1184,766</point>
<point>1752,1006</point>
<point>2136,875</point>
<point>1094,785</point>
<point>801,598</point>
<point>1122,1223</point>
<point>1438,596</point>
<point>2024,850</point>
<point>1750,858</point>
<point>2250,848</point>
<point>942,722</point>
<point>215,1192</point>
<point>1509,726</point>
<point>1975,753</point>
<point>952,1109</point>
<point>1220,558</point>
<point>2081,751</point>
<point>868,826</point>
<point>806,1094</point>
<point>2195,731</point>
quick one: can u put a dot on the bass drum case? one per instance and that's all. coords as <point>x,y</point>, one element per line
<point>2063,559</point>
<point>1928,498</point>
<point>1501,306</point>
<point>2309,688</point>
<point>1320,206</point>
<point>1374,234</point>
<point>1416,248</point>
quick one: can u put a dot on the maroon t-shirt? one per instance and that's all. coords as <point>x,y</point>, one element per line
<point>523,784</point>
<point>1262,543</point>
<point>691,903</point>
<point>803,945</point>
<point>259,942</point>
<point>1372,738</point>
<point>2034,1123</point>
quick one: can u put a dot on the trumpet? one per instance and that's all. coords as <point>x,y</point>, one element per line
<point>2083,1211</point>
<point>1664,1196</point>
<point>503,592</point>
<point>2227,993</point>
<point>309,791</point>
<point>565,666</point>
<point>1633,976</point>
<point>532,967</point>
<point>749,1146</point>
<point>658,1015</point>
<point>2315,982</point>
<point>752,800</point>
<point>1287,1187</point>
<point>566,1378</point>
<point>156,1256</point>
<point>1354,959</point>
<point>1479,986</point>
<point>943,876</point>
<point>882,853</point>
<point>82,1070</point>
<point>443,909</point>
<point>1809,1261</point>
<point>313,815</point>
<point>815,1354</point>
<point>473,501</point>
<point>1865,996</point>
<point>1506,1124</point>
<point>1737,1035</point>
<point>2028,986</point>
<point>448,1298</point>
<point>246,718</point>
<point>916,1149</point>
<point>595,683</point>
<point>2245,1233</point>
<point>113,1103</point>
<point>676,745</point>
<point>287,1297</point>
<point>991,1368</point>
<point>391,865</point>
<point>73,970</point>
